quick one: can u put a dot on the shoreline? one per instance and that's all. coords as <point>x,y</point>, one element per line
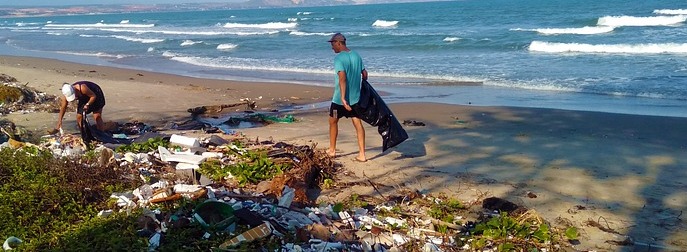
<point>458,93</point>
<point>627,169</point>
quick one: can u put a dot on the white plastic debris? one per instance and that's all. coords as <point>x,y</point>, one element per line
<point>185,188</point>
<point>123,199</point>
<point>287,196</point>
<point>368,221</point>
<point>430,247</point>
<point>144,192</point>
<point>186,166</point>
<point>348,220</point>
<point>104,213</point>
<point>395,222</point>
<point>184,140</point>
<point>11,242</point>
<point>189,158</point>
<point>210,154</point>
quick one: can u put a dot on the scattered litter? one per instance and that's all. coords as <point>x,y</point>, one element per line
<point>413,123</point>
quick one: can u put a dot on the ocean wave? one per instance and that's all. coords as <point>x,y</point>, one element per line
<point>671,12</point>
<point>196,31</point>
<point>189,42</point>
<point>587,30</point>
<point>618,21</point>
<point>304,13</point>
<point>451,39</point>
<point>540,85</point>
<point>240,64</point>
<point>168,54</point>
<point>384,23</point>
<point>142,40</point>
<point>652,48</point>
<point>226,47</point>
<point>270,25</point>
<point>299,33</point>
<point>94,54</point>
<point>23,28</point>
<point>127,38</point>
<point>125,21</point>
<point>266,65</point>
<point>99,25</point>
<point>27,24</point>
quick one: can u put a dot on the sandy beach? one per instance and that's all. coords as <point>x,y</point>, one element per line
<point>626,172</point>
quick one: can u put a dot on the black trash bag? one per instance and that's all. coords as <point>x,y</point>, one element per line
<point>91,133</point>
<point>85,129</point>
<point>372,109</point>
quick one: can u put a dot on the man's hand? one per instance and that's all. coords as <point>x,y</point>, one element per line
<point>85,107</point>
<point>346,106</point>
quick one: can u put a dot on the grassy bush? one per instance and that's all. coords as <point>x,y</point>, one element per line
<point>47,202</point>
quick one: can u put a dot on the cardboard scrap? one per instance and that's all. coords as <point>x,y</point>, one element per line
<point>255,233</point>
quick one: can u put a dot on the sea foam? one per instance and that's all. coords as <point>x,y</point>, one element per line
<point>651,48</point>
<point>618,21</point>
<point>384,23</point>
<point>671,12</point>
<point>587,30</point>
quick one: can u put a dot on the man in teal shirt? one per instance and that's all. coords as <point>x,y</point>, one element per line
<point>350,72</point>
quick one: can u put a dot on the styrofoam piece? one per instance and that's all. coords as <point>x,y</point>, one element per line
<point>185,166</point>
<point>164,153</point>
<point>210,154</point>
<point>167,156</point>
<point>184,140</point>
<point>189,159</point>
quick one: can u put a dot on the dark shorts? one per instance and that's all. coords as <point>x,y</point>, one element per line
<point>338,111</point>
<point>98,105</point>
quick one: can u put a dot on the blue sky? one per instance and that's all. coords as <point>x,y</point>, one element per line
<point>83,2</point>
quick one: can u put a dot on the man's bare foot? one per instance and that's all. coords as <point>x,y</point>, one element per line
<point>360,159</point>
<point>331,153</point>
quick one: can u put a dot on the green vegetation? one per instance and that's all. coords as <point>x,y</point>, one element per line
<point>509,233</point>
<point>253,166</point>
<point>150,145</point>
<point>47,202</point>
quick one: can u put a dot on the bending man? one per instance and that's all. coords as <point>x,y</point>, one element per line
<point>91,99</point>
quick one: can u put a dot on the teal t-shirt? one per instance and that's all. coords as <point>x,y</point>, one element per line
<point>351,63</point>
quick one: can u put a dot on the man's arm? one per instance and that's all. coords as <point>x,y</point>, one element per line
<point>63,109</point>
<point>88,92</point>
<point>342,89</point>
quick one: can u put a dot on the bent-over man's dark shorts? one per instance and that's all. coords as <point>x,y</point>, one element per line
<point>338,111</point>
<point>98,105</point>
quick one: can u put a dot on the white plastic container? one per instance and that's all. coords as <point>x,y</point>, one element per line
<point>184,141</point>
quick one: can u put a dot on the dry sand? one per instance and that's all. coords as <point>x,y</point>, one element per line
<point>627,172</point>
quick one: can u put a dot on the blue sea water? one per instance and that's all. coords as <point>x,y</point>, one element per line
<point>624,56</point>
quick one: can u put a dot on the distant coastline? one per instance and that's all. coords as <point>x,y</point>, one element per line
<point>42,11</point>
<point>9,12</point>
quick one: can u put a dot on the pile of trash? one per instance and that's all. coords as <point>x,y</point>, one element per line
<point>17,98</point>
<point>279,208</point>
